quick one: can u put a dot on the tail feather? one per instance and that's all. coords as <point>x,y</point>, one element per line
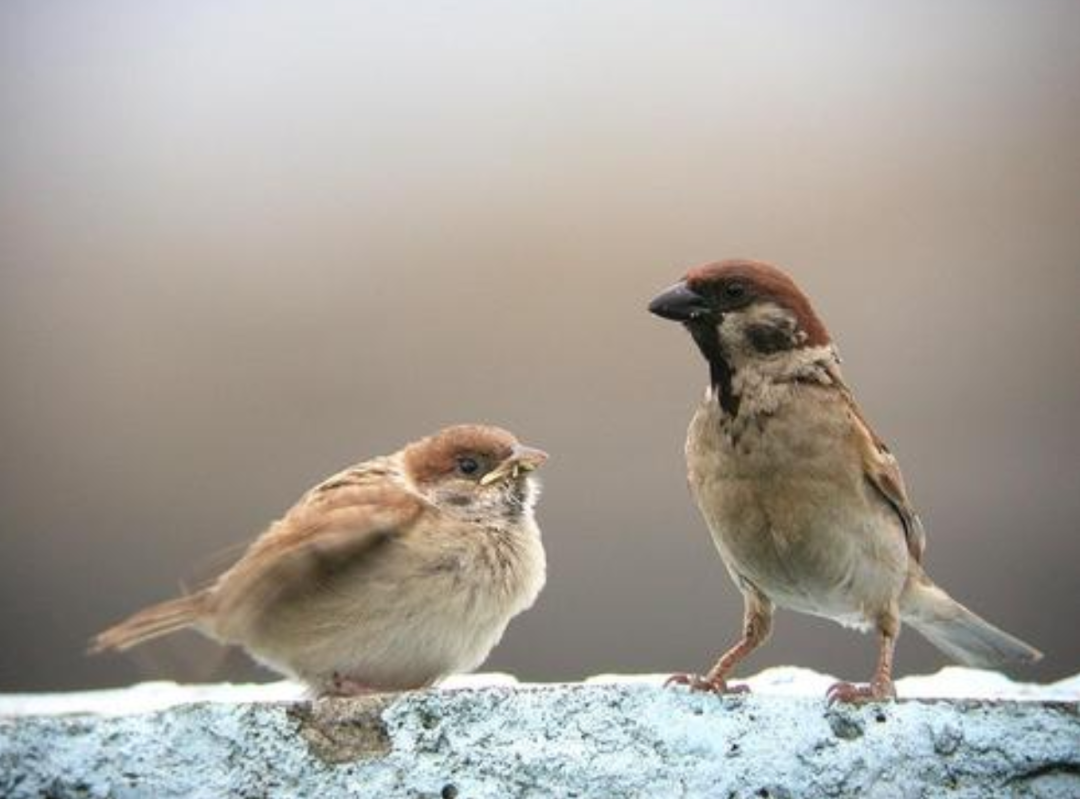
<point>152,622</point>
<point>959,633</point>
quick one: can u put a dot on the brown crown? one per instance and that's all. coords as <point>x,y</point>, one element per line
<point>766,282</point>
<point>435,456</point>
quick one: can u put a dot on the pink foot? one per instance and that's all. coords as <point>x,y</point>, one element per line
<point>860,694</point>
<point>346,686</point>
<point>700,684</point>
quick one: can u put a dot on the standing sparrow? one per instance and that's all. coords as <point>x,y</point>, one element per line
<point>387,576</point>
<point>804,502</point>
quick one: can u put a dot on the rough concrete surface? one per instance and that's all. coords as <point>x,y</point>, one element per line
<point>611,737</point>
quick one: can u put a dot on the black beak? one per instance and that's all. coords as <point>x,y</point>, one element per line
<point>680,303</point>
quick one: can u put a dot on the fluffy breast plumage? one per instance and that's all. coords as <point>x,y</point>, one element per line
<point>787,507</point>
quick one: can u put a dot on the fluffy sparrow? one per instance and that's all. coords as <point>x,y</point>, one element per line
<point>805,503</point>
<point>387,576</point>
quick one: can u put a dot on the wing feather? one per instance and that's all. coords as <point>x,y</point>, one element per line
<point>332,528</point>
<point>883,474</point>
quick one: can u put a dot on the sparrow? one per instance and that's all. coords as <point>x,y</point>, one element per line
<point>805,504</point>
<point>387,576</point>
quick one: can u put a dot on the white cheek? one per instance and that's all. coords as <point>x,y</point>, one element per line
<point>731,333</point>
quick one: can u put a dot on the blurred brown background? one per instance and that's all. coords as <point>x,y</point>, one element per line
<point>246,243</point>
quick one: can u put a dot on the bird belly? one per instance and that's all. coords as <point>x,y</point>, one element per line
<point>402,623</point>
<point>790,515</point>
<point>826,566</point>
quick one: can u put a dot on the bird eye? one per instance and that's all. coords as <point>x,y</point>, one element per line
<point>467,465</point>
<point>734,291</point>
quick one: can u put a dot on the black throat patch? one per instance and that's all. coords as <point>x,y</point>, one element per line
<point>707,338</point>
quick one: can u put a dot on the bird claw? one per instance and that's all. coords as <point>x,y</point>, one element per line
<point>699,684</point>
<point>341,686</point>
<point>860,694</point>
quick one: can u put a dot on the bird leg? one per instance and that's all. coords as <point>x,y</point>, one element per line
<point>880,687</point>
<point>757,624</point>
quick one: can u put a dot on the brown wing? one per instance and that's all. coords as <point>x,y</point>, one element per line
<point>883,473</point>
<point>332,528</point>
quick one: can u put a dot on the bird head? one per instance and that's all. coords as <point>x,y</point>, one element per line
<point>741,310</point>
<point>475,468</point>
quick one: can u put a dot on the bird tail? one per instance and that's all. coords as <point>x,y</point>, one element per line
<point>962,635</point>
<point>151,622</point>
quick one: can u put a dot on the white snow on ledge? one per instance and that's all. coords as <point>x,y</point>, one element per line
<point>952,682</point>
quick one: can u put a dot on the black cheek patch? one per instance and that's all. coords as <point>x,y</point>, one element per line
<point>768,339</point>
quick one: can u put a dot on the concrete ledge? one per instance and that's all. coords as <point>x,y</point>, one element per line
<point>621,738</point>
